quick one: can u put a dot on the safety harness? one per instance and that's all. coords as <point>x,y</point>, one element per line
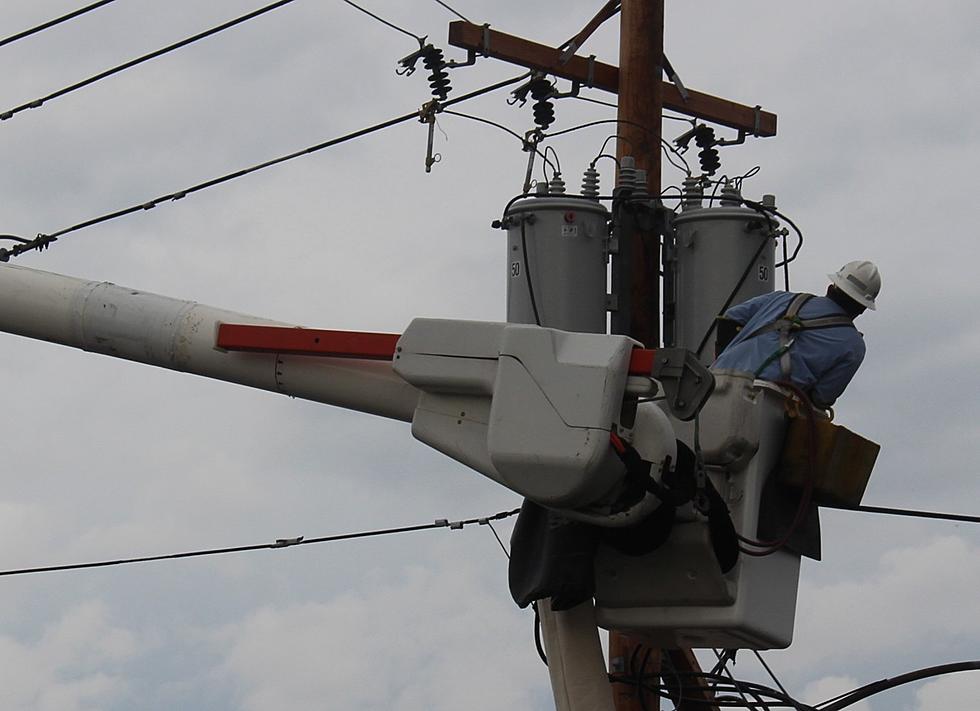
<point>788,326</point>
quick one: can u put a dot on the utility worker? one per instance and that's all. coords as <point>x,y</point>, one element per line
<point>808,340</point>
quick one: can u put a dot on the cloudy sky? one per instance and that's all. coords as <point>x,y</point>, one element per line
<point>878,138</point>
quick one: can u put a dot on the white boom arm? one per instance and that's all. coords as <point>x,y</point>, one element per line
<point>180,335</point>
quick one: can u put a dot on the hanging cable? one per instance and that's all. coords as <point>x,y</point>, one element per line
<point>36,103</point>
<point>667,147</point>
<point>42,241</point>
<point>877,687</point>
<point>527,271</point>
<point>960,518</point>
<point>537,633</point>
<point>480,119</point>
<point>280,543</point>
<point>455,12</point>
<point>495,535</point>
<point>771,674</point>
<point>56,21</point>
<point>383,21</point>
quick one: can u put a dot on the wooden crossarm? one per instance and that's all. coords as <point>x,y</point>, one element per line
<point>603,76</point>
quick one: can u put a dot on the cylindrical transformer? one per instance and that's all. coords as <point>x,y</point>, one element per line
<point>557,250</point>
<point>720,256</point>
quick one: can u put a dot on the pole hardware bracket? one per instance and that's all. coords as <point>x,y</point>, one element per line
<point>687,383</point>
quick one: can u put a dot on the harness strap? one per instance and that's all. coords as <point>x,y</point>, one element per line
<point>789,323</point>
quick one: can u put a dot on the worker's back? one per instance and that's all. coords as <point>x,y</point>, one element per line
<point>822,360</point>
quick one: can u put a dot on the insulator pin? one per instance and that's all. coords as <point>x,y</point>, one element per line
<point>704,137</point>
<point>434,62</point>
<point>544,108</point>
<point>627,173</point>
<point>590,183</point>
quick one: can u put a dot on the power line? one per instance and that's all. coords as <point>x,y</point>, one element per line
<point>56,21</point>
<point>36,103</point>
<point>455,12</point>
<point>852,697</point>
<point>905,512</point>
<point>383,21</point>
<point>43,241</point>
<point>516,135</point>
<point>280,543</point>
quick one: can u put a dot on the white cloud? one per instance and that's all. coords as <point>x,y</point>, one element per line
<point>956,691</point>
<point>830,687</point>
<point>411,641</point>
<point>74,666</point>
<point>876,612</point>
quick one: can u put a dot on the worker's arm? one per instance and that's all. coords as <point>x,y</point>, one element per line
<point>831,384</point>
<point>742,313</point>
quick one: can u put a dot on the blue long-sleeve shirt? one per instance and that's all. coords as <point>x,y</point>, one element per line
<point>823,360</point>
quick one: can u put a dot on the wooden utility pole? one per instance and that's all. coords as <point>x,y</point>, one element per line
<point>641,50</point>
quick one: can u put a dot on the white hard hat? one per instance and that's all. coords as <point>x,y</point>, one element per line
<point>859,280</point>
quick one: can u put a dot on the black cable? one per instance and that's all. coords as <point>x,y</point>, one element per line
<point>877,687</point>
<point>487,121</point>
<point>502,546</point>
<point>56,21</point>
<point>595,101</point>
<point>771,674</point>
<point>527,271</point>
<point>36,103</point>
<point>383,21</point>
<point>752,688</point>
<point>731,296</point>
<point>537,633</point>
<point>905,512</point>
<point>666,146</point>
<point>280,543</point>
<point>42,241</point>
<point>455,12</point>
<point>556,167</point>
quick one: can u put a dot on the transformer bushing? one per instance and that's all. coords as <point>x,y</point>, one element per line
<point>556,263</point>
<point>720,256</point>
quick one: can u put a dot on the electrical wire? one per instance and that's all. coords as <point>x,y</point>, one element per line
<point>383,21</point>
<point>56,21</point>
<point>877,687</point>
<point>455,12</point>
<point>280,543</point>
<point>488,122</point>
<point>43,241</point>
<point>37,103</point>
<point>537,633</point>
<point>556,168</point>
<point>963,518</point>
<point>590,100</point>
<point>666,146</point>
<point>731,296</point>
<point>527,272</point>
<point>771,674</point>
<point>494,532</point>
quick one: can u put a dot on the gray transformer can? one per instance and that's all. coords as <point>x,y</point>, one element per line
<point>557,255</point>
<point>713,247</point>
